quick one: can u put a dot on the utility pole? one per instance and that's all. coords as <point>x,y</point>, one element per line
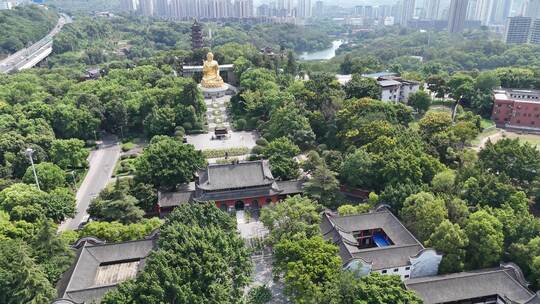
<point>29,152</point>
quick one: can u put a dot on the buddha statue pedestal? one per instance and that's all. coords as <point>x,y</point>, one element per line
<point>212,85</point>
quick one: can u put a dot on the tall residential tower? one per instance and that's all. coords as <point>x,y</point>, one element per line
<point>457,15</point>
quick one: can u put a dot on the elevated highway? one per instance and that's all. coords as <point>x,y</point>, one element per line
<point>29,57</point>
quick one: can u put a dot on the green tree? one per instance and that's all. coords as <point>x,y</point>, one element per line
<point>461,86</point>
<point>69,153</point>
<point>117,232</point>
<point>309,267</point>
<point>360,87</point>
<point>161,121</point>
<point>294,218</point>
<point>288,121</point>
<point>485,234</point>
<point>422,213</point>
<point>358,170</point>
<point>312,162</point>
<point>281,153</point>
<point>420,101</point>
<point>123,209</point>
<point>373,289</point>
<point>23,202</point>
<point>444,182</point>
<point>323,187</point>
<point>519,161</point>
<point>167,163</point>
<point>50,251</point>
<point>395,195</point>
<point>452,241</point>
<point>60,204</point>
<point>352,210</point>
<point>177,272</point>
<point>21,279</point>
<point>50,176</point>
<point>260,295</point>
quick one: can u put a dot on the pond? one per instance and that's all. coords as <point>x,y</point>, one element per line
<point>324,54</point>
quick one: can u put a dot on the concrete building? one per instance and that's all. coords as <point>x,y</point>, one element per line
<point>535,32</point>
<point>516,109</point>
<point>378,242</point>
<point>502,285</point>
<point>244,185</point>
<point>458,14</point>
<point>518,29</point>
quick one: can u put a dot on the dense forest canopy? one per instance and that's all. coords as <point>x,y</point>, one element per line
<point>24,25</point>
<point>429,52</point>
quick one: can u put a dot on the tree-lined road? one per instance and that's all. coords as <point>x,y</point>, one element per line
<point>102,162</point>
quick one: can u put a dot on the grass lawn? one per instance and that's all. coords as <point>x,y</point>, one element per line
<point>532,139</point>
<point>484,134</point>
<point>487,123</point>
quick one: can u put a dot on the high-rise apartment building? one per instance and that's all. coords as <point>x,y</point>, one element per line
<point>203,9</point>
<point>483,11</point>
<point>129,5</point>
<point>304,9</point>
<point>146,7</point>
<point>471,10</point>
<point>243,9</point>
<point>433,9</point>
<point>518,29</point>
<point>407,11</point>
<point>535,32</point>
<point>161,8</point>
<point>318,9</point>
<point>532,9</point>
<point>457,15</point>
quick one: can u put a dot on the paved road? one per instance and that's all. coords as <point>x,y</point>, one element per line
<point>14,61</point>
<point>102,163</point>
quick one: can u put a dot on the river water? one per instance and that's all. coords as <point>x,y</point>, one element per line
<point>324,54</point>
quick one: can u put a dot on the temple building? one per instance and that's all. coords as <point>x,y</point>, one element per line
<point>197,41</point>
<point>378,242</point>
<point>502,285</point>
<point>238,186</point>
<point>100,267</point>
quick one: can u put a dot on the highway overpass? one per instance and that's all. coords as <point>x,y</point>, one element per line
<point>34,54</point>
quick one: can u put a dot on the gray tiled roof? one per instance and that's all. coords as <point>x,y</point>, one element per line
<point>505,282</point>
<point>239,181</point>
<point>339,230</point>
<point>234,176</point>
<point>79,283</point>
<point>290,187</point>
<point>172,199</point>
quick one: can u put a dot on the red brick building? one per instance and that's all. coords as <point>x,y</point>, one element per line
<point>516,109</point>
<point>244,185</point>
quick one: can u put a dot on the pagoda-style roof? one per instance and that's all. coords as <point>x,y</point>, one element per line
<point>235,176</point>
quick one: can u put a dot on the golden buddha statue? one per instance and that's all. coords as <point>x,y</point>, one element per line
<point>211,78</point>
